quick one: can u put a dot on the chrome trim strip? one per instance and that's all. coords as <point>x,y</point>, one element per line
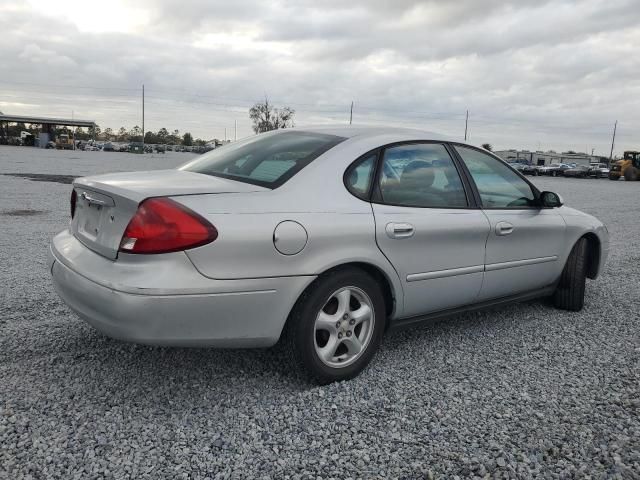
<point>416,277</point>
<point>519,263</point>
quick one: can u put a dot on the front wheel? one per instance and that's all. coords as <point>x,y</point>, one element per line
<point>630,174</point>
<point>569,294</point>
<point>336,326</point>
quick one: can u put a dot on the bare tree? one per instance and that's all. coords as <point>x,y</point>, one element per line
<point>487,147</point>
<point>266,118</point>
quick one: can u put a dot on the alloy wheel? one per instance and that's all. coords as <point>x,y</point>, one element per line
<point>344,327</point>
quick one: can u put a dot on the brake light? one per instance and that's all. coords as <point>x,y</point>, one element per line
<point>162,225</point>
<point>74,200</point>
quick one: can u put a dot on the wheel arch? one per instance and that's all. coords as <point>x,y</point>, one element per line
<point>392,295</point>
<point>594,251</point>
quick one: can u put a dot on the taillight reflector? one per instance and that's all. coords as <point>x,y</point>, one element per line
<point>162,225</point>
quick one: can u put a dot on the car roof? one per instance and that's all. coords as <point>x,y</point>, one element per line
<point>351,131</point>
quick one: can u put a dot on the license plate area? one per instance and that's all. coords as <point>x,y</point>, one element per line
<point>90,216</point>
<point>92,213</point>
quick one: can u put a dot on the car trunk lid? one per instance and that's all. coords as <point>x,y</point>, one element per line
<point>106,203</point>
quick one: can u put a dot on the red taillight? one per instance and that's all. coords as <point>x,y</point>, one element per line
<point>161,225</point>
<point>74,200</point>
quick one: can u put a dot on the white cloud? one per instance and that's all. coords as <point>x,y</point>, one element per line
<point>558,72</point>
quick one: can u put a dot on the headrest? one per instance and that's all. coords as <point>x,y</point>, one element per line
<point>418,174</point>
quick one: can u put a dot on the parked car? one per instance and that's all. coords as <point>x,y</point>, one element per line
<point>598,170</point>
<point>517,166</point>
<point>554,169</point>
<point>108,147</point>
<point>581,171</point>
<point>321,238</point>
<point>530,170</point>
<point>160,149</point>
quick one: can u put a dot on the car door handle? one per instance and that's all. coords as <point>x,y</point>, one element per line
<point>399,230</point>
<point>504,228</point>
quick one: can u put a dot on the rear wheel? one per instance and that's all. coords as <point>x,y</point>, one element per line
<point>336,326</point>
<point>631,174</point>
<point>569,294</point>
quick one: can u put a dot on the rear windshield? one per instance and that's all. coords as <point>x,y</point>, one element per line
<point>265,160</point>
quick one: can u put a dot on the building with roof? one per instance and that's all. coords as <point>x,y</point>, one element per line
<point>48,125</point>
<point>547,158</point>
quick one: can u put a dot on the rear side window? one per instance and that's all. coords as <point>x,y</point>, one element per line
<point>265,160</point>
<point>358,177</point>
<point>420,175</point>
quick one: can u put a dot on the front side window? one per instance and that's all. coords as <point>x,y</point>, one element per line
<point>498,185</point>
<point>265,160</point>
<point>420,175</point>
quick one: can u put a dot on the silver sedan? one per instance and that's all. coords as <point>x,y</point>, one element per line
<point>321,239</point>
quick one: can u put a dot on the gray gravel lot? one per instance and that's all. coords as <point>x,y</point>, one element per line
<point>523,391</point>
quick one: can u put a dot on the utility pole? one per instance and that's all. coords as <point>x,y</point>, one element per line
<point>225,134</point>
<point>613,141</point>
<point>351,114</point>
<point>143,118</point>
<point>235,133</point>
<point>74,132</point>
<point>466,126</point>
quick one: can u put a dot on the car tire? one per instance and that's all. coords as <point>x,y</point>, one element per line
<point>535,173</point>
<point>630,174</point>
<point>553,173</point>
<point>569,294</point>
<point>309,332</point>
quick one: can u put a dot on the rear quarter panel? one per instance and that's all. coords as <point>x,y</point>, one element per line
<point>339,226</point>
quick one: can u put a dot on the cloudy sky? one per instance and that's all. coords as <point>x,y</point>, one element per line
<point>537,74</point>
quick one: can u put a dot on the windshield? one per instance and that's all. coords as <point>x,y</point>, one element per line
<point>265,160</point>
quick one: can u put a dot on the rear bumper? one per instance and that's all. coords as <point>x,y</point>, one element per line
<point>175,305</point>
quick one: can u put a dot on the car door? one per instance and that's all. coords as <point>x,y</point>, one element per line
<point>427,228</point>
<point>525,241</point>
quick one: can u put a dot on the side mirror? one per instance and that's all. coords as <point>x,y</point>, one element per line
<point>551,200</point>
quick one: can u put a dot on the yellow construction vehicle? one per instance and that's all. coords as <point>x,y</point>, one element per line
<point>628,167</point>
<point>64,142</point>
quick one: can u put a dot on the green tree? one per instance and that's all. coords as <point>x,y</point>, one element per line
<point>150,137</point>
<point>163,135</point>
<point>80,134</point>
<point>187,139</point>
<point>15,129</point>
<point>122,134</point>
<point>136,134</point>
<point>94,132</point>
<point>266,118</point>
<point>108,134</point>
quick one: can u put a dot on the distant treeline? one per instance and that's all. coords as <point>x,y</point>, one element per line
<point>162,136</point>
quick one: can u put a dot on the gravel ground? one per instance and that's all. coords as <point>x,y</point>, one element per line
<point>523,391</point>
